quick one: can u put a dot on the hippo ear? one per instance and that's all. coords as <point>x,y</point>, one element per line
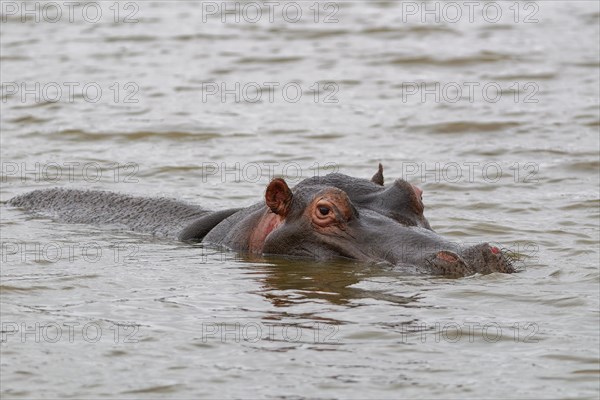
<point>378,177</point>
<point>278,197</point>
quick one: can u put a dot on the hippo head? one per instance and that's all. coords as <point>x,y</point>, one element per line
<point>340,216</point>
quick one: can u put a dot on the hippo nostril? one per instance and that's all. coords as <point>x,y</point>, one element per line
<point>485,258</point>
<point>447,256</point>
<point>449,263</point>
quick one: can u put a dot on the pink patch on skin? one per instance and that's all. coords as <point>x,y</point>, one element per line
<point>267,224</point>
<point>418,190</point>
<point>495,250</point>
<point>442,255</point>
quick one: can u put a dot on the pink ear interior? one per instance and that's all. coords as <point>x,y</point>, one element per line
<point>418,190</point>
<point>278,196</point>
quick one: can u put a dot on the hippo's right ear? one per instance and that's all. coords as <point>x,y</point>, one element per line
<point>278,197</point>
<point>378,177</point>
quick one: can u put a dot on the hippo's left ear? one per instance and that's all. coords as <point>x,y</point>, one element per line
<point>378,177</point>
<point>278,197</point>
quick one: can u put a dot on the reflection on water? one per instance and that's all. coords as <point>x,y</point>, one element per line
<point>496,120</point>
<point>288,282</point>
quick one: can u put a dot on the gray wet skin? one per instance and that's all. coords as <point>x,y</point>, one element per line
<point>321,218</point>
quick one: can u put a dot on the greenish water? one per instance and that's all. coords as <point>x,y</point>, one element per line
<point>92,312</point>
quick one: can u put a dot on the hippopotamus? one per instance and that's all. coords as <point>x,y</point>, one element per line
<point>322,218</point>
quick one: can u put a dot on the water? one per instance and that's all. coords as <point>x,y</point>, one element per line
<point>126,315</point>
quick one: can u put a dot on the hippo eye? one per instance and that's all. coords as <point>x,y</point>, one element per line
<point>335,209</point>
<point>324,210</point>
<point>324,213</point>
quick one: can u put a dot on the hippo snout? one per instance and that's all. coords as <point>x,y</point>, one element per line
<point>482,258</point>
<point>485,259</point>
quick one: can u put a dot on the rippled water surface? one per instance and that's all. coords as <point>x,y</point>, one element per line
<point>101,312</point>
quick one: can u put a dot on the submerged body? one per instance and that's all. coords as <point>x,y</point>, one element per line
<point>321,218</point>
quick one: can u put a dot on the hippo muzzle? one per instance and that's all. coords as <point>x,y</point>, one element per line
<point>481,258</point>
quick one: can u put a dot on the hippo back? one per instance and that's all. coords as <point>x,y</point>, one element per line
<point>157,216</point>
